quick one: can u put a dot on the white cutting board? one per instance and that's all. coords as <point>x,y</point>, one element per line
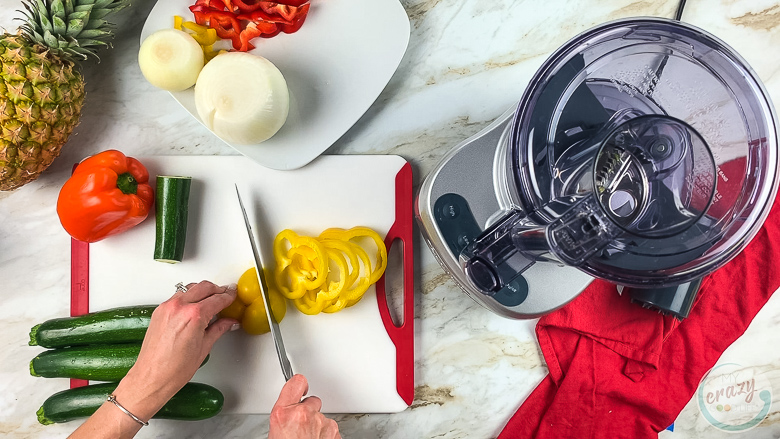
<point>348,357</point>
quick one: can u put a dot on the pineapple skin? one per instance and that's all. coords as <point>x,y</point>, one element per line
<point>41,97</point>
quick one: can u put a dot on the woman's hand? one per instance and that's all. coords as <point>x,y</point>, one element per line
<point>294,418</point>
<point>179,337</point>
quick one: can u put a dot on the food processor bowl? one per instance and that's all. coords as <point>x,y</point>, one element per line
<point>685,194</point>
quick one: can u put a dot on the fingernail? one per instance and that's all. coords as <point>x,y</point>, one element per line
<point>235,326</point>
<point>232,286</point>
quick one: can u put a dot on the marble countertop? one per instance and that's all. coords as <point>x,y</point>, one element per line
<point>467,62</point>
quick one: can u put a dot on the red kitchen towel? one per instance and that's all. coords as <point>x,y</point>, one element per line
<point>617,370</point>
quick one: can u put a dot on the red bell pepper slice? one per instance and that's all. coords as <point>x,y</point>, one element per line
<point>262,29</point>
<point>225,23</point>
<point>295,3</point>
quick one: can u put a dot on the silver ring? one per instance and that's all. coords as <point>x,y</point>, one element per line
<point>180,288</point>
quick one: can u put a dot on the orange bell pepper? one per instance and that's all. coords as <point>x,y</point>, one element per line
<point>107,194</point>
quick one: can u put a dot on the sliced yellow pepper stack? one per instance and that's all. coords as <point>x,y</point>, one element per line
<point>204,35</point>
<point>328,273</point>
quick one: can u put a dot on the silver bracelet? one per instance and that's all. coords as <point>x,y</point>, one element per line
<point>111,398</point>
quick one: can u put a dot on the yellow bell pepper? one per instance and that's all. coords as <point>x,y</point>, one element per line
<point>204,35</point>
<point>249,308</point>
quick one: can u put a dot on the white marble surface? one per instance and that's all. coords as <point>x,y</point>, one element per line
<point>466,63</point>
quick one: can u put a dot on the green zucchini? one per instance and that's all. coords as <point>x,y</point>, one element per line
<point>172,203</point>
<point>117,325</point>
<point>108,362</point>
<point>194,402</point>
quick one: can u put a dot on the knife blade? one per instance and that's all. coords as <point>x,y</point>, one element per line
<point>276,334</point>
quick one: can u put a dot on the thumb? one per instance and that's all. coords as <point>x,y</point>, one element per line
<point>216,330</point>
<point>293,391</point>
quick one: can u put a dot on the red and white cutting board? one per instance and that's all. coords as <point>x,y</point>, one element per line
<point>356,360</point>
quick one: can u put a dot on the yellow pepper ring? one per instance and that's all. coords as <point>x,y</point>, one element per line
<point>337,305</point>
<point>357,232</point>
<point>347,249</point>
<point>357,291</point>
<point>294,291</point>
<point>306,247</point>
<point>309,305</point>
<point>331,290</point>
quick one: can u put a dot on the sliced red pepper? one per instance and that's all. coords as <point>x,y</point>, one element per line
<point>225,23</point>
<point>260,16</point>
<point>295,3</point>
<point>297,20</point>
<point>263,29</point>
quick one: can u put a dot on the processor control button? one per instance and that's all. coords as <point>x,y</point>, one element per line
<point>483,275</point>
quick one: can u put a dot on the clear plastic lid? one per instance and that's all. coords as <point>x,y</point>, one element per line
<point>626,70</point>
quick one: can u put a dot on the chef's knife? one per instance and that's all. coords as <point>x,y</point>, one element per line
<point>272,323</point>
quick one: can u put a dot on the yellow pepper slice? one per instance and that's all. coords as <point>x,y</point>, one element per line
<point>359,232</point>
<point>291,252</point>
<point>306,268</point>
<point>308,304</point>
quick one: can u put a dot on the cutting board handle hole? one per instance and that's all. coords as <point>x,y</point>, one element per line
<point>394,282</point>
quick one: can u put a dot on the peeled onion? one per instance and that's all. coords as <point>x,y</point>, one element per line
<point>242,98</point>
<point>171,59</point>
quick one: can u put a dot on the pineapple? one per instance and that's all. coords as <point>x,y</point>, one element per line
<point>41,88</point>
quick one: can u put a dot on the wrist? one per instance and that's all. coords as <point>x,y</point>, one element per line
<point>141,395</point>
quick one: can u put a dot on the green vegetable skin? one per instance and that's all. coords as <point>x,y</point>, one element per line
<point>108,362</point>
<point>172,203</point>
<point>117,325</point>
<point>194,402</point>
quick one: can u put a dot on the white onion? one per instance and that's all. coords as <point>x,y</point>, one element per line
<point>242,98</point>
<point>171,59</point>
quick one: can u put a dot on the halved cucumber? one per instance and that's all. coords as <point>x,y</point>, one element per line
<point>172,204</point>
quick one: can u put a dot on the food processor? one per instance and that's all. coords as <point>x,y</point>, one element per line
<point>642,152</point>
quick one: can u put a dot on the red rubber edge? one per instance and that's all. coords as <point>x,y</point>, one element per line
<point>402,336</point>
<point>79,285</point>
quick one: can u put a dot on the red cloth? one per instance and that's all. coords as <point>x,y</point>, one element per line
<point>617,370</point>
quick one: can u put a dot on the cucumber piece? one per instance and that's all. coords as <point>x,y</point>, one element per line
<point>108,362</point>
<point>172,203</point>
<point>116,325</point>
<point>194,402</point>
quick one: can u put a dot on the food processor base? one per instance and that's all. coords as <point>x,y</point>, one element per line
<point>461,198</point>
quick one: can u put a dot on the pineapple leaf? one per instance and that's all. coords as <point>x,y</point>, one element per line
<point>41,11</point>
<point>96,24</point>
<point>57,9</point>
<point>75,27</point>
<point>91,33</point>
<point>58,25</point>
<point>69,7</point>
<point>83,8</point>
<point>91,42</point>
<point>80,15</point>
<point>100,13</point>
<point>103,4</point>
<point>50,39</point>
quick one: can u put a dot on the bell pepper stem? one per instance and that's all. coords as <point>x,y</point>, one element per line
<point>127,183</point>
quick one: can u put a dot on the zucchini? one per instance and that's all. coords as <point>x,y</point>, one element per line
<point>117,325</point>
<point>108,362</point>
<point>194,402</point>
<point>172,203</point>
<point>95,362</point>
